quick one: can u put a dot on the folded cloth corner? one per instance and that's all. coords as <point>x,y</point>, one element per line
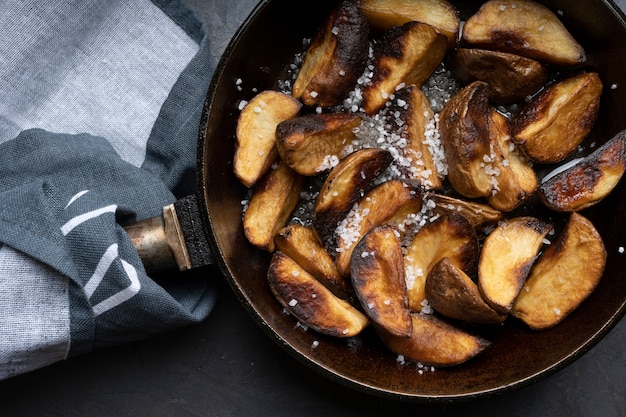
<point>63,201</point>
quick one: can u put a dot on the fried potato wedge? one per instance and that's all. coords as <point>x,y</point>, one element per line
<point>406,54</point>
<point>310,301</point>
<point>302,244</point>
<point>554,123</point>
<point>378,205</point>
<point>450,236</point>
<point>306,143</point>
<point>479,215</point>
<point>335,58</point>
<point>506,258</point>
<point>564,276</point>
<point>515,179</point>
<point>345,185</point>
<point>511,77</point>
<point>377,273</point>
<point>407,217</point>
<point>417,125</point>
<point>435,342</point>
<point>589,181</point>
<point>452,293</point>
<point>464,130</point>
<point>440,14</point>
<point>525,28</point>
<point>255,148</point>
<point>274,198</point>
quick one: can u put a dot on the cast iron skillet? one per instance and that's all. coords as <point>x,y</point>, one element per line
<point>258,55</point>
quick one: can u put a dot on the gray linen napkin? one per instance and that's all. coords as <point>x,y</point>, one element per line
<point>99,115</point>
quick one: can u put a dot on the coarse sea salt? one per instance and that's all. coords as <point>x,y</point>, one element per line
<point>426,308</point>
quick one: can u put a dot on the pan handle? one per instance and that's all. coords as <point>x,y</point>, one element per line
<point>174,240</point>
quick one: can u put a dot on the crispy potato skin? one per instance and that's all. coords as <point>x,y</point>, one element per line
<point>305,141</point>
<point>511,77</point>
<point>477,143</point>
<point>525,28</point>
<point>516,179</point>
<point>344,186</point>
<point>564,276</point>
<point>506,258</point>
<point>435,342</point>
<point>464,129</point>
<point>335,59</point>
<point>478,214</point>
<point>302,244</point>
<point>377,273</point>
<point>404,217</point>
<point>588,182</point>
<point>255,149</point>
<point>451,236</point>
<point>453,294</point>
<point>418,122</point>
<point>440,14</point>
<point>311,302</point>
<point>274,199</point>
<point>378,205</point>
<point>406,54</point>
<point>555,122</point>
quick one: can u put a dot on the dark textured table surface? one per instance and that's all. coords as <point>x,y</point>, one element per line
<point>227,366</point>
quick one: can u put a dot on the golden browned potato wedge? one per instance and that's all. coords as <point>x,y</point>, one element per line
<point>506,258</point>
<point>310,301</point>
<point>525,28</point>
<point>435,342</point>
<point>345,185</point>
<point>589,181</point>
<point>335,58</point>
<point>511,77</point>
<point>274,199</point>
<point>440,14</point>
<point>452,293</point>
<point>479,215</point>
<point>515,179</point>
<point>464,130</point>
<point>418,126</point>
<point>302,244</point>
<point>406,54</point>
<point>450,236</point>
<point>256,133</point>
<point>564,276</point>
<point>307,143</point>
<point>407,217</point>
<point>377,273</point>
<point>554,123</point>
<point>378,205</point>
